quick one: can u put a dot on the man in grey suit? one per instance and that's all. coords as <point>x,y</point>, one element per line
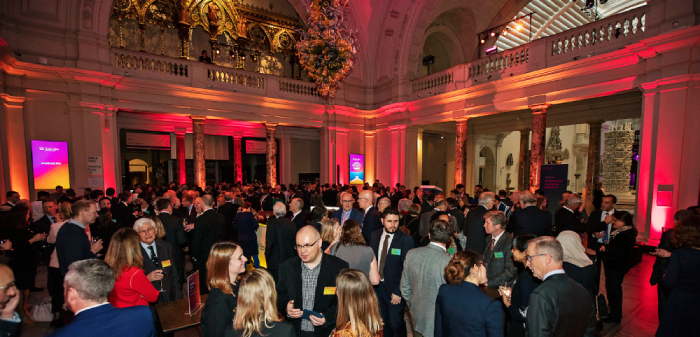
<point>423,275</point>
<point>498,257</point>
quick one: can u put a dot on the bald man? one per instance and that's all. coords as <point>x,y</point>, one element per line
<point>209,227</point>
<point>307,281</point>
<point>372,220</point>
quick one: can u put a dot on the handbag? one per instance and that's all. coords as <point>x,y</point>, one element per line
<point>42,311</point>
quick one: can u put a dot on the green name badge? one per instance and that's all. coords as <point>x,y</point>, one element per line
<point>395,251</point>
<point>499,255</point>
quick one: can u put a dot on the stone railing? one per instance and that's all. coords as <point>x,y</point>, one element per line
<point>437,80</point>
<point>145,62</point>
<point>236,77</point>
<point>299,88</point>
<point>501,61</point>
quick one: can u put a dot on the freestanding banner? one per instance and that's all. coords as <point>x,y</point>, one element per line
<point>357,169</point>
<point>553,181</point>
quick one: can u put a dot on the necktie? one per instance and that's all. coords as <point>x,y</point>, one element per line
<point>493,243</point>
<point>385,250</point>
<point>154,258</point>
<point>345,217</point>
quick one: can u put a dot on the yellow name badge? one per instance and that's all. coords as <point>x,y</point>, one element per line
<point>329,291</point>
<point>166,263</point>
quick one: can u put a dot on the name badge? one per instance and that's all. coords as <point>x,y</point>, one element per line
<point>498,255</point>
<point>395,251</point>
<point>329,291</point>
<point>166,263</point>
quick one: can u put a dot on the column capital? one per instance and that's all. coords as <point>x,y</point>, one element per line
<point>461,120</point>
<point>198,119</point>
<point>598,122</point>
<point>539,108</point>
<point>180,132</point>
<point>15,101</point>
<point>270,125</point>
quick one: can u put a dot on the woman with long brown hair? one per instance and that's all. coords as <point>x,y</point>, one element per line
<point>351,247</point>
<point>256,314</point>
<point>358,309</point>
<point>225,268</point>
<point>131,286</point>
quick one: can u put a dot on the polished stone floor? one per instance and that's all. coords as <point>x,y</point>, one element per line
<point>639,306</point>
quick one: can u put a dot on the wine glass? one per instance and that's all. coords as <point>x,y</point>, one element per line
<point>95,239</point>
<point>162,270</point>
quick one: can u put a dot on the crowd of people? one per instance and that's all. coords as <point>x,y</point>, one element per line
<point>338,261</point>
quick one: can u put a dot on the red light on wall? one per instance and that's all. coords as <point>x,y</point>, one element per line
<point>664,195</point>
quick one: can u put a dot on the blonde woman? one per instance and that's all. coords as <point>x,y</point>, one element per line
<point>257,314</point>
<point>358,310</point>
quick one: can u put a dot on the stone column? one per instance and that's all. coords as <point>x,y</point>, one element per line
<point>16,146</point>
<point>271,158</point>
<point>537,145</point>
<point>200,168</point>
<point>237,160</point>
<point>180,155</point>
<point>461,152</point>
<point>593,168</point>
<point>523,161</point>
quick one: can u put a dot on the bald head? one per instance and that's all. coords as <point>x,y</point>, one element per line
<point>365,199</point>
<point>308,244</point>
<point>208,201</point>
<point>308,231</point>
<point>296,205</point>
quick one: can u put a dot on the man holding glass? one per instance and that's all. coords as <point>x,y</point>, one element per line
<point>158,263</point>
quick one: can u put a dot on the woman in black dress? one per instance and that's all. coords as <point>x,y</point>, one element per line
<point>225,268</point>
<point>518,298</point>
<point>617,258</point>
<point>246,223</point>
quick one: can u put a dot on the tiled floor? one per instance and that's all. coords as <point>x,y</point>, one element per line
<point>639,306</point>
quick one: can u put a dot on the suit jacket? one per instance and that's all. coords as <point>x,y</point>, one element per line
<point>188,213</point>
<point>330,197</point>
<point>499,261</point>
<point>229,210</point>
<point>170,282</point>
<point>560,307</point>
<point>459,217</point>
<point>395,198</point>
<point>594,225</point>
<point>395,257</point>
<point>661,263</point>
<point>421,279</point>
<point>425,223</point>
<point>566,220</point>
<point>208,229</point>
<point>72,244</point>
<point>371,222</point>
<point>266,202</point>
<point>530,220</point>
<point>175,236</point>
<point>279,241</point>
<point>355,214</point>
<point>10,329</point>
<point>108,321</point>
<point>474,229</point>
<point>254,200</point>
<point>43,225</point>
<point>300,220</point>
<point>123,214</point>
<point>289,288</point>
<point>464,310</point>
<point>246,224</point>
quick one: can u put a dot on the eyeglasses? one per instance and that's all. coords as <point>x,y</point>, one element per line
<point>347,201</point>
<point>362,199</point>
<point>150,229</point>
<point>531,256</point>
<point>10,285</point>
<point>305,247</point>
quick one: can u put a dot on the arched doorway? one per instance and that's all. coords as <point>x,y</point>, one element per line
<point>487,168</point>
<point>138,172</point>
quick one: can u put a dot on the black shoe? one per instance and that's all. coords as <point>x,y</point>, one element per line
<point>35,289</point>
<point>612,320</point>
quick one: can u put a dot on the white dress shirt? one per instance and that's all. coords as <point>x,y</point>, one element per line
<point>553,272</point>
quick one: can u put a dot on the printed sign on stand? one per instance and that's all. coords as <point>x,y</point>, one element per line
<point>193,298</point>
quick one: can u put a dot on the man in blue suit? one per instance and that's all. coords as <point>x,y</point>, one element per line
<point>390,247</point>
<point>347,212</point>
<point>87,286</point>
<point>372,220</point>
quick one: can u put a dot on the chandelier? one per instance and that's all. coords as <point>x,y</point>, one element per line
<point>327,49</point>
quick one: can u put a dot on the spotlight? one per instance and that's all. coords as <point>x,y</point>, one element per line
<point>491,50</point>
<point>505,32</point>
<point>518,26</point>
<point>493,34</point>
<point>482,41</point>
<point>218,51</point>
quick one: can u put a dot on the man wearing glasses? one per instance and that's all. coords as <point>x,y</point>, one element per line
<point>307,282</point>
<point>560,306</point>
<point>10,321</point>
<point>347,212</point>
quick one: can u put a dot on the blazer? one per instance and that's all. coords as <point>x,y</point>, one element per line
<point>618,253</point>
<point>661,263</point>
<point>330,197</point>
<point>426,207</point>
<point>421,279</point>
<point>188,213</point>
<point>280,239</point>
<point>219,311</point>
<point>10,329</point>
<point>229,210</point>
<point>132,288</point>
<point>175,236</point>
<point>108,321</point>
<point>266,202</point>
<point>594,225</point>
<point>395,257</point>
<point>355,214</point>
<point>681,279</point>
<point>208,229</point>
<point>123,214</point>
<point>72,244</point>
<point>474,229</point>
<point>424,226</point>
<point>289,288</point>
<point>170,282</point>
<point>277,329</point>
<point>254,201</point>
<point>300,220</point>
<point>464,310</point>
<point>529,220</point>
<point>459,217</point>
<point>499,261</point>
<point>566,220</point>
<point>551,312</point>
<point>43,225</point>
<point>246,224</point>
<point>371,222</point>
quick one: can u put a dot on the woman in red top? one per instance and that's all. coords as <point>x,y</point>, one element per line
<point>131,286</point>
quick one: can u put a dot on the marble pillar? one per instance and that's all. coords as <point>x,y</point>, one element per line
<point>593,168</point>
<point>271,157</point>
<point>237,160</point>
<point>461,152</point>
<point>180,155</point>
<point>15,146</point>
<point>523,161</point>
<point>537,143</point>
<point>200,168</point>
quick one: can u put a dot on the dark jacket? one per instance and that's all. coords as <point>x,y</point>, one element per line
<point>175,236</point>
<point>499,261</point>
<point>566,220</point>
<point>300,220</point>
<point>229,210</point>
<point>474,229</point>
<point>72,244</point>
<point>279,242</point>
<point>396,255</point>
<point>618,252</point>
<point>10,329</point>
<point>218,312</point>
<point>661,263</point>
<point>108,321</point>
<point>277,329</point>
<point>208,229</point>
<point>330,197</point>
<point>372,222</point>
<point>169,283</point>
<point>246,225</point>
<point>123,214</point>
<point>355,214</point>
<point>551,312</point>
<point>585,276</point>
<point>530,220</point>
<point>266,202</point>
<point>594,225</point>
<point>682,278</point>
<point>464,310</point>
<point>289,288</point>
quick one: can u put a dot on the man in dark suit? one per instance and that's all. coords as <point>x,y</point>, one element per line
<point>72,243</point>
<point>187,208</point>
<point>395,198</point>
<point>565,218</point>
<point>427,205</point>
<point>43,225</point>
<point>474,223</point>
<point>330,196</point>
<point>10,320</point>
<point>295,291</point>
<point>347,212</point>
<point>599,227</point>
<point>175,236</point>
<point>88,284</point>
<point>254,198</point>
<point>266,200</point>
<point>425,218</point>
<point>498,257</point>
<point>208,229</point>
<point>390,248</point>
<point>123,211</point>
<point>158,261</point>
<point>372,220</point>
<point>296,207</point>
<point>529,219</point>
<point>279,240</point>
<point>560,306</point>
<point>229,210</point>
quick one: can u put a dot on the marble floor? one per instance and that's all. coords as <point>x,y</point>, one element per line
<point>639,306</point>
